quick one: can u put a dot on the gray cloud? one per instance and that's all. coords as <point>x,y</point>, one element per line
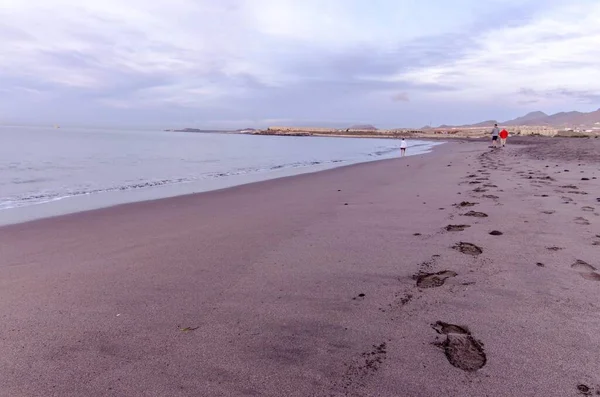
<point>102,69</point>
<point>582,96</point>
<point>401,97</point>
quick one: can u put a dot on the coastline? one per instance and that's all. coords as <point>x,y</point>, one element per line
<point>306,285</point>
<point>89,202</point>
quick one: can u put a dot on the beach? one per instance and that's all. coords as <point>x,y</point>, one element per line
<point>375,279</point>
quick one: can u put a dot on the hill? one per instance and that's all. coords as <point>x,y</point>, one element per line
<point>538,118</point>
<point>364,127</point>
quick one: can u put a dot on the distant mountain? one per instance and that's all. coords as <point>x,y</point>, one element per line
<point>529,117</point>
<point>562,119</point>
<point>363,127</point>
<point>484,123</point>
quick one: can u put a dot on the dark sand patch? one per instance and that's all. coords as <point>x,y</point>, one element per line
<point>405,299</point>
<point>364,368</point>
<point>359,297</point>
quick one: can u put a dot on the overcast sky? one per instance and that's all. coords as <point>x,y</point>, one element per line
<point>254,63</point>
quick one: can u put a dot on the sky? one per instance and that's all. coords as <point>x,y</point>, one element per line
<point>258,63</point>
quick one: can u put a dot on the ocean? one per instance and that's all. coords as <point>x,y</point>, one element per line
<point>46,172</point>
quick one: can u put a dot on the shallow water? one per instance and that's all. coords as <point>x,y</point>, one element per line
<point>40,166</point>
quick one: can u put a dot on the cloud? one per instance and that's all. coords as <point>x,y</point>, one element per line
<point>550,53</point>
<point>212,62</point>
<point>560,94</point>
<point>401,97</point>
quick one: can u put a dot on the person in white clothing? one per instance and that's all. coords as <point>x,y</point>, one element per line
<point>403,146</point>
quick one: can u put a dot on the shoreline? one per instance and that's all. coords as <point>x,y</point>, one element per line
<point>344,282</point>
<point>90,202</point>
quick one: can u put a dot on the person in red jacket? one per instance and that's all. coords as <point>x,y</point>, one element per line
<point>503,137</point>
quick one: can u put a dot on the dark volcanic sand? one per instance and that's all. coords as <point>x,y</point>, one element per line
<point>279,289</point>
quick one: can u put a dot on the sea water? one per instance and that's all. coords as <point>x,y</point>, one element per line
<point>46,171</point>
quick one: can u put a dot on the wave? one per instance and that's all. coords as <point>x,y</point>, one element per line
<point>45,197</point>
<point>49,196</point>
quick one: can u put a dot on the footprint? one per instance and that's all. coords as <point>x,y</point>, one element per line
<point>461,349</point>
<point>489,185</point>
<point>540,264</point>
<point>466,204</point>
<point>456,228</point>
<point>554,248</point>
<point>572,187</point>
<point>433,280</point>
<point>584,389</point>
<point>468,249</point>
<point>576,192</point>
<point>480,190</point>
<point>588,209</point>
<point>582,221</point>
<point>491,196</point>
<point>586,270</point>
<point>548,212</point>
<point>496,233</point>
<point>476,214</point>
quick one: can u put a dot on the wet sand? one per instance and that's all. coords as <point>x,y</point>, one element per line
<point>368,280</point>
